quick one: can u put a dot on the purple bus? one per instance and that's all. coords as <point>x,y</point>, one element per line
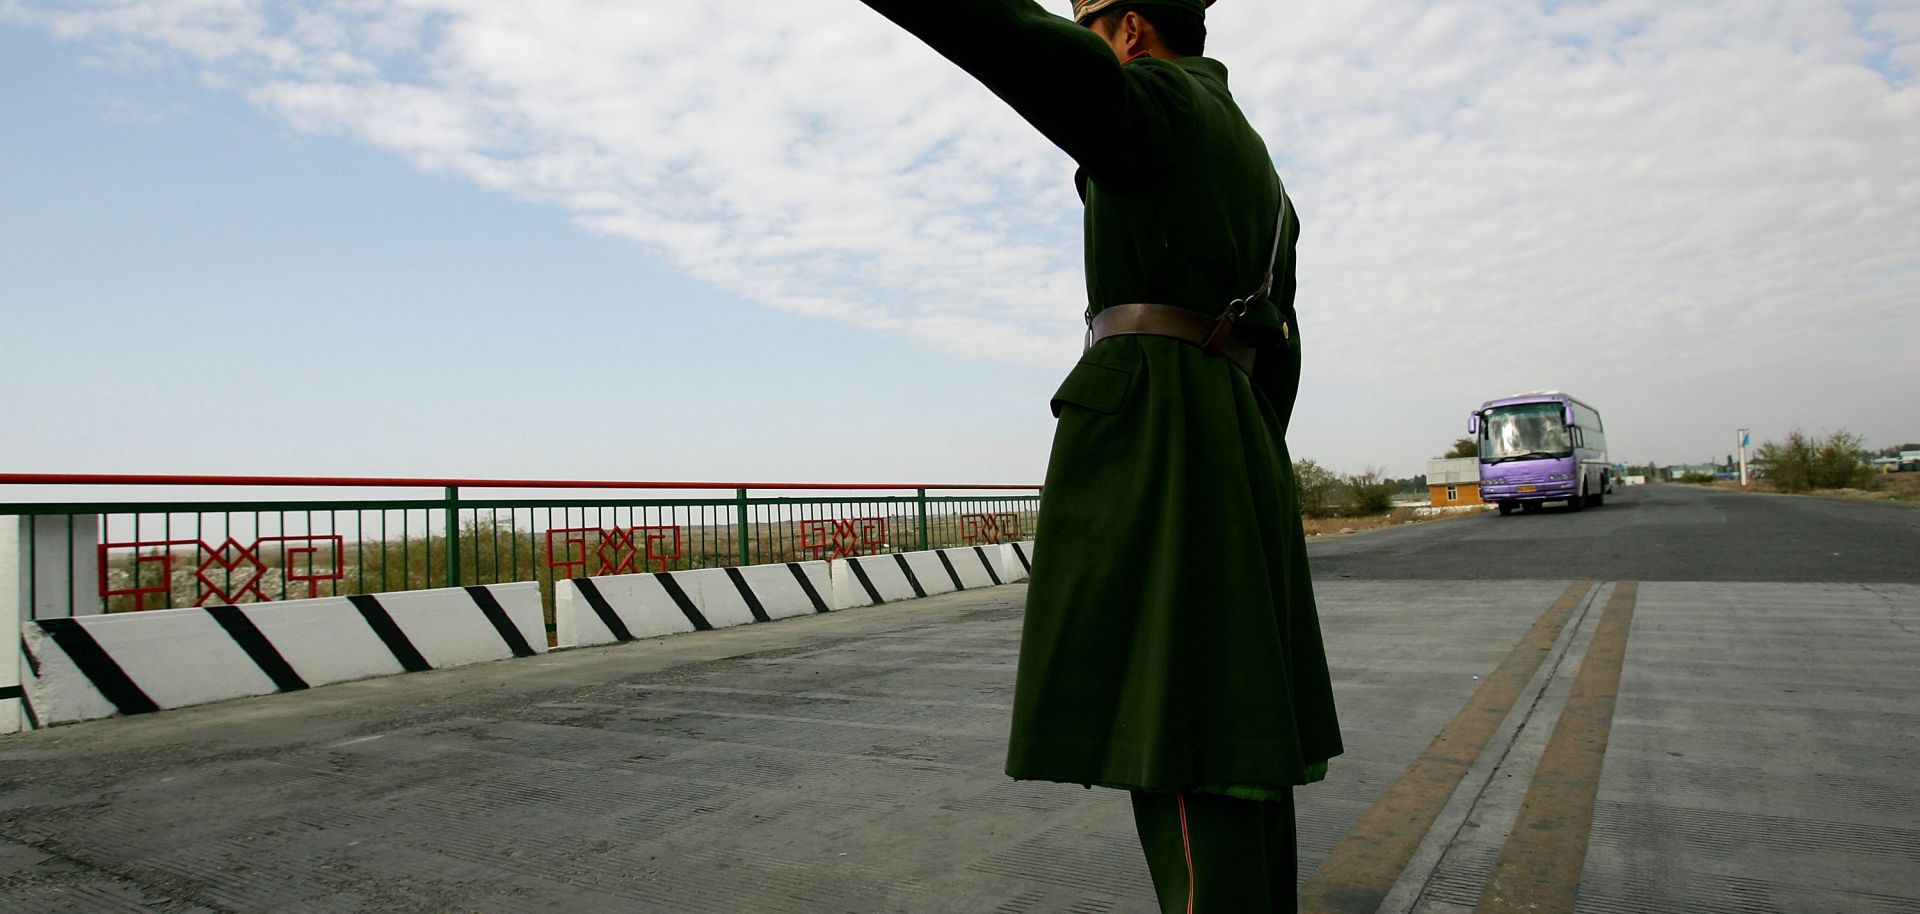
<point>1540,447</point>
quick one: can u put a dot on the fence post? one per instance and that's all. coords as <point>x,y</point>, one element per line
<point>453,536</point>
<point>740,514</point>
<point>923,520</point>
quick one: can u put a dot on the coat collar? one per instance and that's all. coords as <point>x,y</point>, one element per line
<point>1204,67</point>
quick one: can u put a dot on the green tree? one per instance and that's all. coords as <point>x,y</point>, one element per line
<point>1802,463</point>
<point>1370,492</point>
<point>1464,447</point>
<point>1788,464</point>
<point>1315,485</point>
<point>1837,462</point>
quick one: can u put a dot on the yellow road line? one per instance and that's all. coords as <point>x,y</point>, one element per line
<point>1356,877</point>
<point>1539,869</point>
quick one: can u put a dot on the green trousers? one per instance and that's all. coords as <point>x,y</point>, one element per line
<point>1211,854</point>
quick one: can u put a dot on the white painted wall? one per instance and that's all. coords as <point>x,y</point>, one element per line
<point>1448,471</point>
<point>49,568</point>
<point>66,552</point>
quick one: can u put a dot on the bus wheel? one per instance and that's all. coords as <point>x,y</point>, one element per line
<point>1597,499</point>
<point>1578,501</point>
<point>1506,508</point>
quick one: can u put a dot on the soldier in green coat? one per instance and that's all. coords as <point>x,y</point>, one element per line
<point>1171,645</point>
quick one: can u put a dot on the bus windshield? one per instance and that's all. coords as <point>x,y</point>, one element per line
<point>1525,431</point>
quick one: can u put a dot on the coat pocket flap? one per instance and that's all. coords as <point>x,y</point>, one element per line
<point>1097,387</point>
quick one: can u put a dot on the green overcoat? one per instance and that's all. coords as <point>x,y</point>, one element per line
<point>1171,641</point>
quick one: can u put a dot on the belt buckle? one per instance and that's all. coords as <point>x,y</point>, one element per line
<point>1223,328</point>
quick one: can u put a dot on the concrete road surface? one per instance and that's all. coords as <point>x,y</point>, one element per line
<point>1650,533</point>
<point>1655,706</point>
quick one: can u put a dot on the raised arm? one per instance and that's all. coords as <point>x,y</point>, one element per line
<point>1061,77</point>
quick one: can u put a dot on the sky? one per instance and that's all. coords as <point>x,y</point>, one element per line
<point>779,240</point>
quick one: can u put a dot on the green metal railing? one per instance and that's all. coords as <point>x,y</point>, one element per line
<point>124,555</point>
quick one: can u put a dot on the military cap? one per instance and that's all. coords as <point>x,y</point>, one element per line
<point>1087,9</point>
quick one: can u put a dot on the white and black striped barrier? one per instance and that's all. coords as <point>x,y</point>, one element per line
<point>136,663</point>
<point>627,607</point>
<point>13,694</point>
<point>869,580</point>
<point>1016,561</point>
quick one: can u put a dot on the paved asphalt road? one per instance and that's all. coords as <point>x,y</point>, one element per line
<point>1685,702</point>
<point>1648,533</point>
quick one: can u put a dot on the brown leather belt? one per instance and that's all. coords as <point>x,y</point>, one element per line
<point>1182,324</point>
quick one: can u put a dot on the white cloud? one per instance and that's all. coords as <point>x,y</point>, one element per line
<point>1620,194</point>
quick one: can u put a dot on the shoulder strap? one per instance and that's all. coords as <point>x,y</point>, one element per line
<point>1273,257</point>
<point>1236,309</point>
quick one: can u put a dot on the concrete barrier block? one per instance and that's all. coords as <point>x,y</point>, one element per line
<point>791,589</point>
<point>1016,561</point>
<point>930,573</point>
<point>137,663</point>
<point>870,579</point>
<point>573,619</point>
<point>327,639</point>
<point>57,689</point>
<point>973,566</point>
<point>716,598</point>
<point>444,627</point>
<point>622,607</point>
<point>589,611</point>
<point>177,658</point>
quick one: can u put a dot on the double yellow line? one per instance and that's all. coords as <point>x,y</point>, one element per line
<point>1539,868</point>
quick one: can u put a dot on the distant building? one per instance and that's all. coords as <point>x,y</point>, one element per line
<point>1453,482</point>
<point>1676,473</point>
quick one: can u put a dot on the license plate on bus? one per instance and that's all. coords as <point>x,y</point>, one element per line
<point>1529,488</point>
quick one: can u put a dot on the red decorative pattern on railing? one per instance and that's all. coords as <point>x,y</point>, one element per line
<point>836,539</point>
<point>229,559</point>
<point>148,479</point>
<point>987,529</point>
<point>619,550</point>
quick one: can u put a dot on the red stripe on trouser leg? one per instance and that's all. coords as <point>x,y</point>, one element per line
<point>1186,844</point>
